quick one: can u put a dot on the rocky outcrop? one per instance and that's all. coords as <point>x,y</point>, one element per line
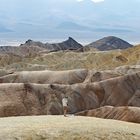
<point>124,113</point>
<point>109,43</point>
<point>27,99</point>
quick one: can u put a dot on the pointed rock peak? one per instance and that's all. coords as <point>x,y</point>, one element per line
<point>29,41</point>
<point>69,44</point>
<point>70,38</point>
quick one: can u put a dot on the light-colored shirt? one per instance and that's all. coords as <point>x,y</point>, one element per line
<point>65,102</point>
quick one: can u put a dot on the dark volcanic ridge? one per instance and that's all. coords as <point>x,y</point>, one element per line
<point>110,43</point>
<point>69,44</point>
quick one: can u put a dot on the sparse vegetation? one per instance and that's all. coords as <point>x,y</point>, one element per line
<point>73,60</point>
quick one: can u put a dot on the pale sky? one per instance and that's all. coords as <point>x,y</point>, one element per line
<point>84,20</point>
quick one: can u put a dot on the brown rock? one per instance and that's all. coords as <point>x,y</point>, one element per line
<point>38,99</point>
<point>124,113</point>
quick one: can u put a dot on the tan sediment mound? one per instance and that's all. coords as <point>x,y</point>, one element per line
<point>38,99</point>
<point>59,77</point>
<point>66,128</point>
<point>46,77</point>
<point>127,69</point>
<point>63,77</point>
<point>124,113</point>
<point>96,76</point>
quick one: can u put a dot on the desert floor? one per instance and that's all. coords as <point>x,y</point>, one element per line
<point>66,128</point>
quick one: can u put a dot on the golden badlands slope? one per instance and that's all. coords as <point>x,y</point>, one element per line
<point>65,60</point>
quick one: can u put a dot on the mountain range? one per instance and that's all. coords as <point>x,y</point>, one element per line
<point>30,46</point>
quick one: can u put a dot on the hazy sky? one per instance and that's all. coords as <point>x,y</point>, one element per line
<point>84,20</point>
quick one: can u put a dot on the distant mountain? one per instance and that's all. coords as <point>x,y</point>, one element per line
<point>109,43</point>
<point>31,47</point>
<point>69,44</point>
<point>34,47</point>
<point>33,43</point>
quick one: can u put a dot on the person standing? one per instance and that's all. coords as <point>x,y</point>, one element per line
<point>65,105</point>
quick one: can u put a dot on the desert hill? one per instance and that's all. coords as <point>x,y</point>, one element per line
<point>110,43</point>
<point>72,60</point>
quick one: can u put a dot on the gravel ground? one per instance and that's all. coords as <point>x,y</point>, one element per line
<point>66,128</point>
